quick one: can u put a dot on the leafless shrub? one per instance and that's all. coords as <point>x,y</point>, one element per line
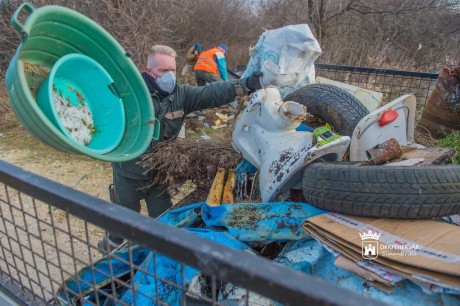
<point>9,39</point>
<point>137,25</point>
<point>411,34</point>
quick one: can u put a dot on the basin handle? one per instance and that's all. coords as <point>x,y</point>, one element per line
<point>18,25</point>
<point>156,129</point>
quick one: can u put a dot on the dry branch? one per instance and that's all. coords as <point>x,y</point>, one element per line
<point>189,159</point>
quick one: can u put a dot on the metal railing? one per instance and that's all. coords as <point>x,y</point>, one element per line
<point>49,234</point>
<point>391,83</point>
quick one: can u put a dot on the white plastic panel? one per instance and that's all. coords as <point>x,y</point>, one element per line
<point>368,133</point>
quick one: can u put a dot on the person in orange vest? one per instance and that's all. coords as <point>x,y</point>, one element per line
<point>211,66</point>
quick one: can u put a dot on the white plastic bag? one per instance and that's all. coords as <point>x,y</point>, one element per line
<point>286,56</point>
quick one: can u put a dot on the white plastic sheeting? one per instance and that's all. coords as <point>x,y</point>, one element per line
<point>286,56</point>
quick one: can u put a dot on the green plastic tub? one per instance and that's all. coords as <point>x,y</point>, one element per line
<point>48,34</point>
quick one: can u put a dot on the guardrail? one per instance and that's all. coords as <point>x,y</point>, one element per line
<point>49,234</point>
<point>391,82</point>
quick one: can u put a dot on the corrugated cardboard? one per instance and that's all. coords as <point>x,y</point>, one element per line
<point>350,265</point>
<point>437,260</point>
<point>423,277</point>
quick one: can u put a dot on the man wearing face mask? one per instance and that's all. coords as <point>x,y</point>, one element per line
<point>171,103</point>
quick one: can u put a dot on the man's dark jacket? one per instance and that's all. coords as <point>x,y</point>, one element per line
<point>171,110</point>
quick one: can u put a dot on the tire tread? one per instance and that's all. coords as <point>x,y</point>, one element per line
<point>377,191</point>
<point>338,107</point>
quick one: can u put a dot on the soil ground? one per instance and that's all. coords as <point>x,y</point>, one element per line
<point>20,148</point>
<point>57,254</point>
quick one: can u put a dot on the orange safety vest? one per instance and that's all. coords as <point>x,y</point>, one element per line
<point>206,61</point>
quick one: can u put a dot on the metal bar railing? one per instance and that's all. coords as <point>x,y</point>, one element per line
<point>39,269</point>
<point>370,70</point>
<point>254,273</point>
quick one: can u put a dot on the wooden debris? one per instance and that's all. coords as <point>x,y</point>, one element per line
<point>227,196</point>
<point>215,194</point>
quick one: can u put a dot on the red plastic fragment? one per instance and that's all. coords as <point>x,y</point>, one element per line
<point>388,117</point>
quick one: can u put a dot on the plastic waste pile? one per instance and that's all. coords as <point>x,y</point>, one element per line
<point>281,223</point>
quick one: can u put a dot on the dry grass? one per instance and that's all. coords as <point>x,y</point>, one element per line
<point>423,137</point>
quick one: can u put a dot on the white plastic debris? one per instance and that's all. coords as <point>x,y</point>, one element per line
<point>231,295</point>
<point>76,119</point>
<point>286,57</point>
<point>266,136</point>
<point>181,134</point>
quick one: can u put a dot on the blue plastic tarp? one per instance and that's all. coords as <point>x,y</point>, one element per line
<point>101,273</point>
<point>169,270</point>
<point>243,224</point>
<point>261,222</point>
<point>309,256</point>
<point>183,216</point>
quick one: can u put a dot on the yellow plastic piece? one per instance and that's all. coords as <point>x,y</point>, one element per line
<point>227,197</point>
<point>215,194</point>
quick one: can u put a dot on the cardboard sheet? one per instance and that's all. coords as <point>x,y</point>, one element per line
<point>425,251</point>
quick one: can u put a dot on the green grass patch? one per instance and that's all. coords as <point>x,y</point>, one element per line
<point>224,133</point>
<point>452,140</point>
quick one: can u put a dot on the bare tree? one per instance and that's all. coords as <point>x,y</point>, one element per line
<point>410,34</point>
<point>139,24</point>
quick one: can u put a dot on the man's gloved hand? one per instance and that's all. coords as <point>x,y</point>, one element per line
<point>253,81</point>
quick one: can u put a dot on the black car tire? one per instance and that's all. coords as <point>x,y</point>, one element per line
<point>383,191</point>
<point>331,103</point>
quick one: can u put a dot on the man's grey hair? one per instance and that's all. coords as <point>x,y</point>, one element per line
<point>162,49</point>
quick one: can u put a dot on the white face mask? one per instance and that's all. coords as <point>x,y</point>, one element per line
<point>167,82</point>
